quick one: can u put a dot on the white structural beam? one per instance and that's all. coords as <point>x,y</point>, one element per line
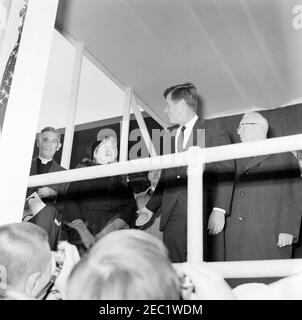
<point>255,148</point>
<point>252,268</point>
<point>143,128</point>
<point>125,126</point>
<point>195,207</point>
<point>227,152</point>
<point>194,158</point>
<point>255,269</point>
<point>113,169</point>
<point>72,108</point>
<point>22,114</point>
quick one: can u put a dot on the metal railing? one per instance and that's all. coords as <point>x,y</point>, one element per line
<point>195,158</point>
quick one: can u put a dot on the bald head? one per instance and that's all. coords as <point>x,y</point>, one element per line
<point>253,127</point>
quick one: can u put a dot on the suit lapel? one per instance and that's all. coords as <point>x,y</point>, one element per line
<point>171,141</point>
<point>254,161</point>
<point>53,166</point>
<point>173,144</point>
<point>196,138</point>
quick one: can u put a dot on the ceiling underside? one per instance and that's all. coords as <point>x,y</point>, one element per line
<point>238,53</point>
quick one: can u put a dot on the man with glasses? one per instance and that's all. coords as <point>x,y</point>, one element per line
<point>266,206</point>
<point>171,191</point>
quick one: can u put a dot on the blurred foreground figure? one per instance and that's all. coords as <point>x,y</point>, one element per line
<point>125,265</point>
<point>28,268</point>
<point>25,259</point>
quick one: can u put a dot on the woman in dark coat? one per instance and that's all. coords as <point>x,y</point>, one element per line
<point>98,206</point>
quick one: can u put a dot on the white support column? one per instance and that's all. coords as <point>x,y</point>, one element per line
<point>143,128</point>
<point>22,114</point>
<point>125,126</point>
<point>72,108</point>
<point>254,269</point>
<point>195,205</point>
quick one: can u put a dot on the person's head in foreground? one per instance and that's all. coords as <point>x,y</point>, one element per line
<point>125,265</point>
<point>252,127</point>
<point>25,258</point>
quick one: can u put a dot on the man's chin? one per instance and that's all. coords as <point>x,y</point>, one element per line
<point>47,156</point>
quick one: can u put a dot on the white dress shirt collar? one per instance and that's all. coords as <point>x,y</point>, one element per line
<point>44,161</point>
<point>187,132</point>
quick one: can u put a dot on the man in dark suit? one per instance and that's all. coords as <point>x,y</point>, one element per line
<point>266,206</point>
<point>50,216</point>
<point>171,191</point>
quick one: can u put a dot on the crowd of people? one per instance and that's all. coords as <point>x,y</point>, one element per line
<point>122,265</point>
<point>78,240</point>
<point>125,264</point>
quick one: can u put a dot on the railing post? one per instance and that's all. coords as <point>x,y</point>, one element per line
<point>195,204</point>
<point>125,126</point>
<point>143,128</point>
<point>72,108</point>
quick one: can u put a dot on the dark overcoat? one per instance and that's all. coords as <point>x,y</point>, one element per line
<point>266,202</point>
<point>98,202</point>
<point>50,217</point>
<point>170,195</point>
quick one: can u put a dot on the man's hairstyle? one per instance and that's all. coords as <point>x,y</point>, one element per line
<point>51,129</point>
<point>23,251</point>
<point>186,91</point>
<point>125,265</point>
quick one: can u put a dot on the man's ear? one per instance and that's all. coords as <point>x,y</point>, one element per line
<point>59,146</point>
<point>38,141</point>
<point>31,284</point>
<point>183,104</point>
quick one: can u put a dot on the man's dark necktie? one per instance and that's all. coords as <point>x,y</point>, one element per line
<point>180,140</point>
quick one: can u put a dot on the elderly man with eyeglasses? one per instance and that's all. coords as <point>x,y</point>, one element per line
<point>266,206</point>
